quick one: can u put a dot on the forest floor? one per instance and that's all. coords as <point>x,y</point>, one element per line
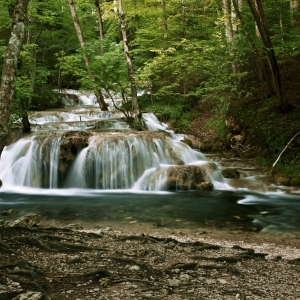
<point>147,263</point>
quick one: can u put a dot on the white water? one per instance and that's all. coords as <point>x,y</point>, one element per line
<point>119,159</point>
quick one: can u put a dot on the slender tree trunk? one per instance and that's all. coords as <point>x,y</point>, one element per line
<point>135,105</point>
<point>164,24</point>
<point>258,14</point>
<point>237,8</point>
<point>229,31</point>
<point>10,62</point>
<point>294,6</point>
<point>228,25</point>
<point>97,90</point>
<point>100,21</point>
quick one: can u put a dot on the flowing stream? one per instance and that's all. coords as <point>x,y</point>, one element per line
<point>83,165</point>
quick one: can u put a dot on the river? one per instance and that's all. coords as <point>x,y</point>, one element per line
<point>119,176</point>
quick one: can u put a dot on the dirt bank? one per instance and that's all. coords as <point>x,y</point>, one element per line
<point>147,263</point>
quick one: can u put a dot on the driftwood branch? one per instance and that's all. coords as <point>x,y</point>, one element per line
<point>278,158</point>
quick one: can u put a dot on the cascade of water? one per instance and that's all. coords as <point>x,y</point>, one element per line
<point>31,162</point>
<point>116,161</point>
<point>119,163</point>
<point>54,159</point>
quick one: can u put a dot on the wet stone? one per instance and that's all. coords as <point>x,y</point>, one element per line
<point>29,221</point>
<point>10,212</point>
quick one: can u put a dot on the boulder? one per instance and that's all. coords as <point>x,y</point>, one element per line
<point>205,186</point>
<point>0,182</point>
<point>29,221</point>
<point>71,144</point>
<point>184,177</point>
<point>230,173</point>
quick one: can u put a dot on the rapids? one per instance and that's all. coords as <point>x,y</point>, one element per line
<point>91,163</point>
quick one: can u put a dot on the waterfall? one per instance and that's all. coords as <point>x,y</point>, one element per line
<point>88,148</point>
<point>31,162</point>
<point>110,161</point>
<point>54,159</point>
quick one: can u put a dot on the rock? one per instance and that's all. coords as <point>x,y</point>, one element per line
<point>232,126</point>
<point>230,173</point>
<point>223,281</point>
<point>74,259</point>
<point>4,223</point>
<point>71,144</point>
<point>0,182</point>
<point>235,141</point>
<point>74,227</point>
<point>29,221</point>
<point>185,278</point>
<point>205,146</point>
<point>30,296</point>
<point>210,281</point>
<point>174,282</point>
<point>10,212</point>
<point>193,142</point>
<point>205,186</point>
<point>134,268</point>
<point>283,180</point>
<point>184,177</point>
<point>8,292</point>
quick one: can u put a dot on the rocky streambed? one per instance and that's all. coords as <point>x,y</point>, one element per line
<point>43,262</point>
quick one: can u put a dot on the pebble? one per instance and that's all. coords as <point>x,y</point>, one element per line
<point>185,278</point>
<point>210,281</point>
<point>134,268</point>
<point>223,281</point>
<point>174,282</point>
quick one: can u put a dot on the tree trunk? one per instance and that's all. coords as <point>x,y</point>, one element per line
<point>164,24</point>
<point>294,6</point>
<point>97,90</point>
<point>258,14</point>
<point>10,62</point>
<point>135,105</point>
<point>227,17</point>
<point>229,30</point>
<point>237,8</point>
<point>100,21</point>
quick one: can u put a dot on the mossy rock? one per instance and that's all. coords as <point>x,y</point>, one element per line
<point>295,181</point>
<point>206,146</point>
<point>230,173</point>
<point>188,142</point>
<point>283,179</point>
<point>248,154</point>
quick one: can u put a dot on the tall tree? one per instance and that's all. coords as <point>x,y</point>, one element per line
<point>100,21</point>
<point>10,63</point>
<point>135,105</point>
<point>259,16</point>
<point>97,91</point>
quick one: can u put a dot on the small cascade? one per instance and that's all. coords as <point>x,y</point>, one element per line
<point>54,159</point>
<point>31,162</point>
